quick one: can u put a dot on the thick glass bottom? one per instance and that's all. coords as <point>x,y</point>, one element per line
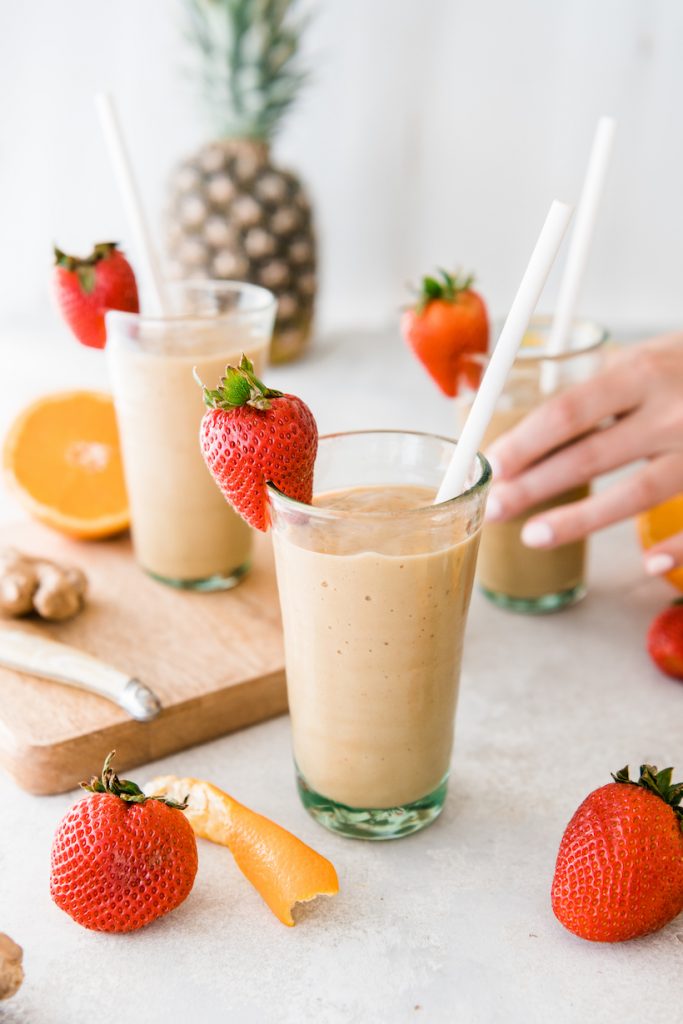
<point>378,823</point>
<point>536,605</point>
<point>208,584</point>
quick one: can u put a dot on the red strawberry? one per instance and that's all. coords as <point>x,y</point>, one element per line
<point>665,640</point>
<point>86,288</point>
<point>619,871</point>
<point>448,329</point>
<point>121,859</point>
<point>252,436</point>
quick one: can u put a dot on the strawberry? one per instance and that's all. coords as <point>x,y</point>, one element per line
<point>619,871</point>
<point>252,436</point>
<point>86,288</point>
<point>448,329</point>
<point>121,859</point>
<point>665,640</point>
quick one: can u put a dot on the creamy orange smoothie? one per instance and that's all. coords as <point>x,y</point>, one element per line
<point>511,574</point>
<point>506,565</point>
<point>373,659</point>
<point>184,533</point>
<point>182,527</point>
<point>374,618</point>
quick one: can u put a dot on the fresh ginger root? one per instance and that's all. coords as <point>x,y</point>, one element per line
<point>28,584</point>
<point>11,971</point>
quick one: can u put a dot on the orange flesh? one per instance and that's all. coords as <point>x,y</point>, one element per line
<point>62,456</point>
<point>661,522</point>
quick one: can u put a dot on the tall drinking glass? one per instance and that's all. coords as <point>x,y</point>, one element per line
<point>374,585</point>
<point>510,574</point>
<point>184,533</point>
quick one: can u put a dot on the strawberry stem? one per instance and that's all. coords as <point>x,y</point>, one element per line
<point>109,782</point>
<point>239,386</point>
<point>444,287</point>
<point>658,783</point>
<point>100,252</point>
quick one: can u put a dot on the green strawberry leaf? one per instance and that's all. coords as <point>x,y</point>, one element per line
<point>124,789</point>
<point>658,783</point>
<point>85,273</point>
<point>239,387</point>
<point>446,287</point>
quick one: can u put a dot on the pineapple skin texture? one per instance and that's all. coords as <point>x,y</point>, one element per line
<point>234,215</point>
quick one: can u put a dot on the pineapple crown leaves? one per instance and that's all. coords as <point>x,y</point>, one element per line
<point>442,285</point>
<point>240,386</point>
<point>124,789</point>
<point>248,51</point>
<point>658,783</point>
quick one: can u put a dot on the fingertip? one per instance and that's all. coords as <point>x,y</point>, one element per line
<point>660,563</point>
<point>494,463</point>
<point>538,533</point>
<point>494,508</point>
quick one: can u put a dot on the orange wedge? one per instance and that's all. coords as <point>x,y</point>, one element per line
<point>282,869</point>
<point>62,457</point>
<point>661,522</point>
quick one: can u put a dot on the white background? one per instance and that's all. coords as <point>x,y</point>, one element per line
<point>435,131</point>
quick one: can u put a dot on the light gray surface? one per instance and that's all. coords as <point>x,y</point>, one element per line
<point>452,925</point>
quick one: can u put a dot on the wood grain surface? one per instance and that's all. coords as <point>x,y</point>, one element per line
<point>215,661</point>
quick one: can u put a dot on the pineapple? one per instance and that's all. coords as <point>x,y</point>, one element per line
<point>232,212</point>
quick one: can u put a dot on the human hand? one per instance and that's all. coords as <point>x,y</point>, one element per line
<point>631,411</point>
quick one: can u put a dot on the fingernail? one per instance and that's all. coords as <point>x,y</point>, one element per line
<point>494,509</point>
<point>537,534</point>
<point>657,564</point>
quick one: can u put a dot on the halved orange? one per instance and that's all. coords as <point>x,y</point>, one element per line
<point>282,869</point>
<point>661,522</point>
<point>62,457</point>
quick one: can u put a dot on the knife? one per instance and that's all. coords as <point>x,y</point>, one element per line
<point>49,659</point>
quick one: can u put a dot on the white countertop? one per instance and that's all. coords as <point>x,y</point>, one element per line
<point>451,925</point>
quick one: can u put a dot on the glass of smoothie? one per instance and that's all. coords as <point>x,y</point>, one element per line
<point>184,533</point>
<point>509,573</point>
<point>374,585</point>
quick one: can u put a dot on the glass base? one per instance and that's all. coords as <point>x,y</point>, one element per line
<point>380,823</point>
<point>536,605</point>
<point>207,585</point>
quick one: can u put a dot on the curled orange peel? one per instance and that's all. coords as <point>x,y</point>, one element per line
<point>282,869</point>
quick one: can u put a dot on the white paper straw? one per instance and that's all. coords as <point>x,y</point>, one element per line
<point>504,353</point>
<point>579,246</point>
<point>137,222</point>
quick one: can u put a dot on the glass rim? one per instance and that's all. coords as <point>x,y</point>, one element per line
<point>231,287</point>
<point>532,355</point>
<point>320,512</point>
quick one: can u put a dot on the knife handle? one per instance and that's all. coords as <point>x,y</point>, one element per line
<point>49,659</point>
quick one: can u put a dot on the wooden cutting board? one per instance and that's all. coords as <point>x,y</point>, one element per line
<point>215,661</point>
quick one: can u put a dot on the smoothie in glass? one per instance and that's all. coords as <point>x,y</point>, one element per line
<point>374,585</point>
<point>509,573</point>
<point>184,533</point>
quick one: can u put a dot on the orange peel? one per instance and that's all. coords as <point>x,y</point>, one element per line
<point>282,869</point>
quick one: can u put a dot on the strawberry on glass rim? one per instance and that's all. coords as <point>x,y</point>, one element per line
<point>448,330</point>
<point>86,287</point>
<point>251,436</point>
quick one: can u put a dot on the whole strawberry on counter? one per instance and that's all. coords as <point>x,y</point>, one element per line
<point>85,288</point>
<point>446,328</point>
<point>252,436</point>
<point>121,859</point>
<point>619,871</point>
<point>665,640</point>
